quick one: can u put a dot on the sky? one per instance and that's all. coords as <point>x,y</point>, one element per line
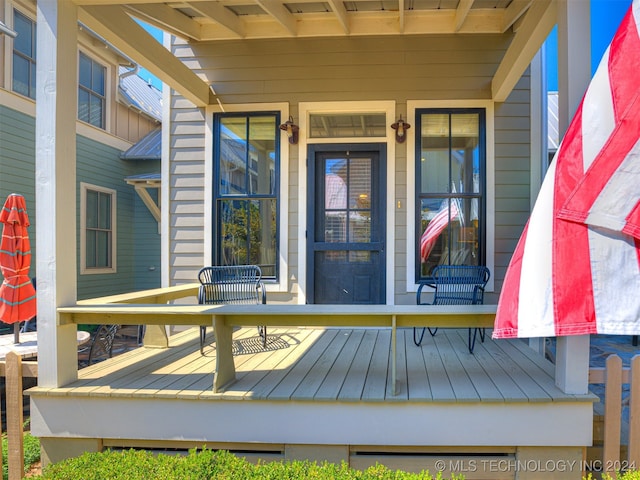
<point>143,72</point>
<point>606,16</point>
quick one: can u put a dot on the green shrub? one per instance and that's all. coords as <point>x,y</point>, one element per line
<point>31,453</point>
<point>631,475</point>
<point>206,465</point>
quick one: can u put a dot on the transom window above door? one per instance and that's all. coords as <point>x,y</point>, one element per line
<point>347,125</point>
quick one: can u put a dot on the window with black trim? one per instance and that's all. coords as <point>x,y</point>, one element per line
<point>24,55</point>
<point>246,163</point>
<point>450,188</point>
<point>91,91</point>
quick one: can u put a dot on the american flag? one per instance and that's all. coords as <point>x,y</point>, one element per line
<point>576,268</point>
<point>435,227</point>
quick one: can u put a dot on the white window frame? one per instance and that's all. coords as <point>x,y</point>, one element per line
<point>282,284</point>
<point>84,270</point>
<point>11,8</point>
<point>355,107</point>
<point>107,89</point>
<point>488,106</point>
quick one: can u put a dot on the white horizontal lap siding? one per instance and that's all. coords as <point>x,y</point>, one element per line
<point>397,68</point>
<point>512,176</point>
<point>186,191</point>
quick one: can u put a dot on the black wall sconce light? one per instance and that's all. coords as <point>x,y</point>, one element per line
<point>291,129</point>
<point>401,128</point>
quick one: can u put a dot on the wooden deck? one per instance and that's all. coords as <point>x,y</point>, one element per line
<point>322,364</point>
<point>326,394</point>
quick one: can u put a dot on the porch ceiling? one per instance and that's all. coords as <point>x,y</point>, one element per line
<point>210,21</point>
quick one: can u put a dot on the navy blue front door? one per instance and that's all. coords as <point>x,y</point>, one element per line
<point>346,228</point>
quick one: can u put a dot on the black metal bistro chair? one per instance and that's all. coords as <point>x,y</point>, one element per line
<point>455,285</point>
<point>237,284</point>
<point>101,346</point>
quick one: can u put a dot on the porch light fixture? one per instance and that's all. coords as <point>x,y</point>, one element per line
<point>291,129</point>
<point>401,128</point>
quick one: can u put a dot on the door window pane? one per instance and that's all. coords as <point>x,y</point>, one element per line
<point>347,200</point>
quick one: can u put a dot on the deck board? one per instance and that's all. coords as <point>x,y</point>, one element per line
<point>329,364</point>
<point>357,374</point>
<point>481,380</point>
<point>335,378</point>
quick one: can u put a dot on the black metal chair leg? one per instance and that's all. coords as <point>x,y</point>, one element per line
<point>262,331</point>
<point>417,340</point>
<point>472,339</point>
<point>203,334</point>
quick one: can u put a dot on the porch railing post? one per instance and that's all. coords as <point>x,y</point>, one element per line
<point>634,412</point>
<point>572,364</point>
<point>15,441</point>
<point>612,413</point>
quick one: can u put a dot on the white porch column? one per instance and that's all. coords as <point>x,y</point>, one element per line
<point>574,58</point>
<point>56,112</point>
<point>574,75</point>
<point>572,364</point>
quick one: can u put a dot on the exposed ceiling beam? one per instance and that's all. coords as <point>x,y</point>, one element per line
<point>401,15</point>
<point>536,25</point>
<point>338,9</point>
<point>415,22</point>
<point>513,12</point>
<point>278,11</point>
<point>123,2</point>
<point>219,14</point>
<point>461,13</point>
<point>119,29</point>
<point>168,19</point>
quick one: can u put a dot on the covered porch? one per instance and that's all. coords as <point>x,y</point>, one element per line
<point>362,394</point>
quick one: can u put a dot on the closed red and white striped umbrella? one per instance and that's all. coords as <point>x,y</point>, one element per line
<point>17,294</point>
<point>576,268</point>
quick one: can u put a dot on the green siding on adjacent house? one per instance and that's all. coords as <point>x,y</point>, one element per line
<point>146,235</point>
<point>100,165</point>
<point>17,164</point>
<point>138,241</point>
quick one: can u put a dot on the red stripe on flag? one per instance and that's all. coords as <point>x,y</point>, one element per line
<point>507,312</point>
<point>624,63</point>
<point>633,223</point>
<point>572,293</point>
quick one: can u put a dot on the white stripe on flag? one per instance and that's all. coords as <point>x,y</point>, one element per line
<point>535,309</point>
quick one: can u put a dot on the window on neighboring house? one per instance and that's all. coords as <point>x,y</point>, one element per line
<point>91,91</point>
<point>98,222</point>
<point>246,162</point>
<point>24,55</point>
<point>450,188</point>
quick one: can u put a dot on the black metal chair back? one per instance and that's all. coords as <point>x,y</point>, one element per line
<point>455,285</point>
<point>232,284</point>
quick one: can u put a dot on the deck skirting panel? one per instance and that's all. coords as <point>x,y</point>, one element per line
<point>288,422</point>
